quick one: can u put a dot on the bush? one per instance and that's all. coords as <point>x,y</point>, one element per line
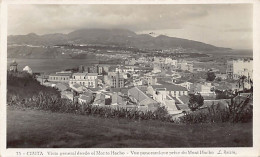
<point>195,101</point>
<point>235,112</point>
<point>210,76</point>
<point>24,85</point>
<point>224,94</point>
<point>46,101</point>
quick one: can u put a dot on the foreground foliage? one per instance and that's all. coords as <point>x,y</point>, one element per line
<point>44,129</point>
<point>53,103</point>
<point>235,112</point>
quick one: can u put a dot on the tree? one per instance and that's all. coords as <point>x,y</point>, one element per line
<point>227,94</point>
<point>210,76</point>
<point>195,101</point>
<point>241,81</point>
<point>218,79</point>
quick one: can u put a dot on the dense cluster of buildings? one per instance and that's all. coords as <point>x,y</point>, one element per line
<point>144,83</point>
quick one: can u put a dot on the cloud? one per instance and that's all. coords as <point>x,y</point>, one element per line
<point>66,17</point>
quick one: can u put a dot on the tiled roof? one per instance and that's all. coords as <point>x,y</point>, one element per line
<point>79,74</point>
<point>76,85</point>
<point>92,74</point>
<point>61,74</point>
<point>184,99</point>
<point>141,97</point>
<point>137,94</point>
<point>170,87</point>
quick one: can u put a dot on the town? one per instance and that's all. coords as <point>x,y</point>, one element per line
<point>149,82</point>
<point>129,75</point>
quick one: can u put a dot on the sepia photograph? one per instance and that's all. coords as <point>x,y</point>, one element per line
<point>129,76</point>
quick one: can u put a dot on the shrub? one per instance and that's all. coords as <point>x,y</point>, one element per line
<point>195,101</point>
<point>46,101</point>
<point>210,76</point>
<point>235,112</point>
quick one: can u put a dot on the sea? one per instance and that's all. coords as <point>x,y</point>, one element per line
<point>49,65</point>
<point>58,64</point>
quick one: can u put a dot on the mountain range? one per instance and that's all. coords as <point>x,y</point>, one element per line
<point>118,37</point>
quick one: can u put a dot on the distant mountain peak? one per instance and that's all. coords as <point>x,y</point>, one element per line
<point>114,36</point>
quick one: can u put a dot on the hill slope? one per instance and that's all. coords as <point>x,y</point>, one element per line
<point>58,130</point>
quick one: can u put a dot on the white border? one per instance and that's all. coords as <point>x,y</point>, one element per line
<point>254,151</point>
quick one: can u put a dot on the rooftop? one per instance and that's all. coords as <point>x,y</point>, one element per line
<point>184,98</point>
<point>76,85</point>
<point>61,74</point>
<point>79,74</point>
<point>92,74</point>
<point>170,87</point>
<point>140,96</point>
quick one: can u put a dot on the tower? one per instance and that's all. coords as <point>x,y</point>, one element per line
<point>13,66</point>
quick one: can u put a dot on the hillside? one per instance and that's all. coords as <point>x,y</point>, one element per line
<point>23,85</point>
<point>59,130</point>
<point>119,37</point>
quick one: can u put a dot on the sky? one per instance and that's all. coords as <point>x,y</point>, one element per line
<point>224,25</point>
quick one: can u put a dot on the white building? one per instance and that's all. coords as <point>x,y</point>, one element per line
<point>85,79</point>
<point>184,65</point>
<point>171,61</point>
<point>28,70</point>
<point>237,68</point>
<point>205,89</point>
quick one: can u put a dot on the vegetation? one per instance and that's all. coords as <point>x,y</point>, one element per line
<point>23,85</point>
<point>58,130</point>
<point>210,76</point>
<point>227,94</point>
<point>195,101</point>
<point>242,80</point>
<point>36,96</point>
<point>235,112</point>
<point>46,101</point>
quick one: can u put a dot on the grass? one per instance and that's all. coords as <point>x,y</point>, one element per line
<point>44,129</point>
<point>23,85</point>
